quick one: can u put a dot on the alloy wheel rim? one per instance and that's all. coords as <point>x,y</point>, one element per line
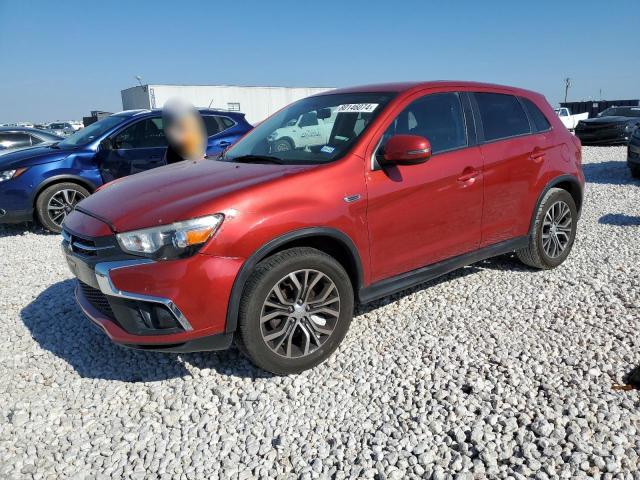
<point>62,204</point>
<point>556,229</point>
<point>300,313</point>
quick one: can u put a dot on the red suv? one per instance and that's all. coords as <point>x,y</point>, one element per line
<point>375,189</point>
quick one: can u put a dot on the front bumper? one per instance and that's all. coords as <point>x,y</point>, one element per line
<point>603,136</point>
<point>176,305</point>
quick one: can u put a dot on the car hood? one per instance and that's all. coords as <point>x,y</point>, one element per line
<point>27,157</point>
<point>176,192</point>
<point>615,119</point>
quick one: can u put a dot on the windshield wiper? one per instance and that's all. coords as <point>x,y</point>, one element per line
<point>258,158</point>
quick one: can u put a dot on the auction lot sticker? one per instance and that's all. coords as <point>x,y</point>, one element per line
<point>357,107</point>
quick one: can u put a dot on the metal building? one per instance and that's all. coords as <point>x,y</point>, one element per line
<point>257,103</point>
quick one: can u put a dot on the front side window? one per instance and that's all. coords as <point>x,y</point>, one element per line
<point>502,116</point>
<point>621,112</point>
<point>35,140</point>
<point>437,117</point>
<point>12,140</point>
<point>92,132</point>
<point>147,133</point>
<point>317,129</point>
<point>540,122</point>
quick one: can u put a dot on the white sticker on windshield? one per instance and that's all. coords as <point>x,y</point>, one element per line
<point>357,107</point>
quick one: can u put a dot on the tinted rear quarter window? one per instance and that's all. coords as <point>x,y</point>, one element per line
<point>502,116</point>
<point>540,122</point>
<point>215,124</point>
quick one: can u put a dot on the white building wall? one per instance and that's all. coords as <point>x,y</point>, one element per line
<point>257,103</point>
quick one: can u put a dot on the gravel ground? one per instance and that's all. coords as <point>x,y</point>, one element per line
<point>495,371</point>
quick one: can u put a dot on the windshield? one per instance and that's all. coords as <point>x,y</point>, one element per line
<point>313,130</point>
<point>93,131</point>
<point>621,112</point>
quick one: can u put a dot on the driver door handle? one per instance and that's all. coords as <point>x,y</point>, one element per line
<point>468,174</point>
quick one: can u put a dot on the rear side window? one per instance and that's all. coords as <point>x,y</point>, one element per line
<point>146,133</point>
<point>540,122</point>
<point>437,117</point>
<point>215,124</point>
<point>502,116</point>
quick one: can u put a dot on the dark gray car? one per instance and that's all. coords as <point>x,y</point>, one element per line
<point>12,138</point>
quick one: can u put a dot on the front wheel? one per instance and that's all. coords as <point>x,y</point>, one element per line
<point>554,231</point>
<point>56,202</point>
<point>295,310</point>
<point>282,145</point>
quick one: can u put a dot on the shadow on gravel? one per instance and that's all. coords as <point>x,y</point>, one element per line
<point>611,172</point>
<point>619,220</point>
<point>505,263</point>
<point>59,326</point>
<point>14,229</point>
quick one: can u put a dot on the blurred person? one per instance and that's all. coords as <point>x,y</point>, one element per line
<point>185,131</point>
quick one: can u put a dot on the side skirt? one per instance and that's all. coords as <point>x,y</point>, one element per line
<point>407,280</point>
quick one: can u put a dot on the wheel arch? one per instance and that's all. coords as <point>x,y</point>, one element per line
<point>61,179</point>
<point>329,240</point>
<point>565,182</point>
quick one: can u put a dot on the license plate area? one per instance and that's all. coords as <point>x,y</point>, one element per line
<point>81,269</point>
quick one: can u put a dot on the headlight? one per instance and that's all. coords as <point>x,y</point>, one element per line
<point>179,239</point>
<point>9,174</point>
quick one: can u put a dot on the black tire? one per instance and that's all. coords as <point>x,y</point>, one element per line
<point>52,222</point>
<point>635,171</point>
<point>535,255</point>
<point>282,145</point>
<point>266,276</point>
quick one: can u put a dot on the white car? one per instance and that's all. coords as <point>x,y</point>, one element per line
<point>64,128</point>
<point>568,120</point>
<point>307,130</point>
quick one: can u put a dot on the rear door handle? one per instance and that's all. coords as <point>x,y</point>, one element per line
<point>223,143</point>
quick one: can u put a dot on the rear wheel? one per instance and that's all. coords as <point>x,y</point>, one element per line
<point>635,171</point>
<point>554,231</point>
<point>296,309</point>
<point>56,202</point>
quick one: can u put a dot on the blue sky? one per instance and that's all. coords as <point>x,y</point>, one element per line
<point>60,59</point>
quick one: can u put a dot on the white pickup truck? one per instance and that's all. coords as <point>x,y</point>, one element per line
<point>307,130</point>
<point>570,121</point>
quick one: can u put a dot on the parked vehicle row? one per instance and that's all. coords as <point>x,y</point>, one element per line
<point>48,181</point>
<point>272,247</point>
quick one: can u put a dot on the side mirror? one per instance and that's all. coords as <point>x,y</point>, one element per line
<point>407,149</point>
<point>106,144</point>
<point>324,113</point>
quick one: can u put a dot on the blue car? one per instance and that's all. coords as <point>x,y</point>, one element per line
<point>47,182</point>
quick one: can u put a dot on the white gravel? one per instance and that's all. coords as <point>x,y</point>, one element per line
<point>494,371</point>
